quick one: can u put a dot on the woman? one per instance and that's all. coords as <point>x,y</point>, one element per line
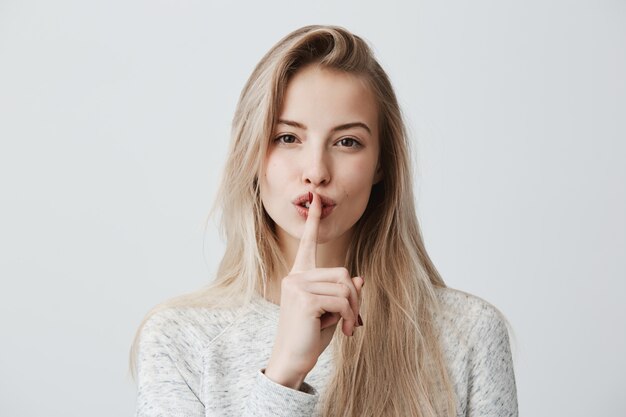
<point>316,199</point>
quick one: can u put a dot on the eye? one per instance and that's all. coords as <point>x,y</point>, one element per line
<point>288,139</point>
<point>349,143</point>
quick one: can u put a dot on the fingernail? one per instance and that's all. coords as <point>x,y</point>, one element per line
<point>310,197</point>
<point>360,320</point>
<point>363,281</point>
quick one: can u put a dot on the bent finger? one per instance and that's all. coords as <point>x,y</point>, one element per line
<point>338,305</point>
<point>337,275</point>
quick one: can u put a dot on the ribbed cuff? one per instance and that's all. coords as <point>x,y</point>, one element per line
<point>269,398</point>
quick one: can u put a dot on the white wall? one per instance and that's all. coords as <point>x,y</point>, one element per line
<point>114,122</point>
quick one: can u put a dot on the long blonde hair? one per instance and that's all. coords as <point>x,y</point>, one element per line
<point>394,366</point>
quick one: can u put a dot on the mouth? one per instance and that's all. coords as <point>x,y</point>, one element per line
<point>302,205</point>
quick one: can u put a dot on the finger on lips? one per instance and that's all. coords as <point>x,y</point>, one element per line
<point>305,259</point>
<point>307,249</point>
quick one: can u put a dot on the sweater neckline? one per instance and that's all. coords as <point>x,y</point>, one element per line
<point>265,307</point>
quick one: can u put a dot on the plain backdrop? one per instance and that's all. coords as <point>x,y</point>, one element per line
<point>114,124</point>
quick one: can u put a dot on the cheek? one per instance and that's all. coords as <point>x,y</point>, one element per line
<point>360,181</point>
<point>357,192</point>
<point>358,188</point>
<point>277,174</point>
<point>275,171</point>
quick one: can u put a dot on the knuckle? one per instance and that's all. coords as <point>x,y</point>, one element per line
<point>344,273</point>
<point>290,284</point>
<point>345,291</point>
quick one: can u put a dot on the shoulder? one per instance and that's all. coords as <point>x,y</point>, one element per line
<point>463,306</point>
<point>470,318</point>
<point>184,328</point>
<point>476,342</point>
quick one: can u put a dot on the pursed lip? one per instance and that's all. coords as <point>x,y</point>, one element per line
<point>301,199</point>
<point>304,212</point>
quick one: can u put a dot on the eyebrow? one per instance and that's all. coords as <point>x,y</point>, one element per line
<point>344,126</point>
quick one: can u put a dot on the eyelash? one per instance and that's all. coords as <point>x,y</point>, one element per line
<point>356,143</point>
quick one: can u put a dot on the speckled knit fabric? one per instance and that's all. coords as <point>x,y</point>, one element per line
<point>198,362</point>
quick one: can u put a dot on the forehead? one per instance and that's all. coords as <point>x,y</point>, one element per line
<point>322,98</point>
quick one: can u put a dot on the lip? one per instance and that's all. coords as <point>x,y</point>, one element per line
<point>304,212</point>
<point>326,201</point>
<point>328,204</point>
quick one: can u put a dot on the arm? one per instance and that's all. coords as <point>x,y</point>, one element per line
<point>168,379</point>
<point>269,398</point>
<point>492,389</point>
<point>170,366</point>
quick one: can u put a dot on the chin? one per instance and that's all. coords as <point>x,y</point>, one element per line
<point>295,232</point>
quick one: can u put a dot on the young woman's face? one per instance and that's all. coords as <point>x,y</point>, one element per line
<point>325,141</point>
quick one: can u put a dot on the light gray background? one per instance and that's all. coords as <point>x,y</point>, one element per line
<point>114,124</point>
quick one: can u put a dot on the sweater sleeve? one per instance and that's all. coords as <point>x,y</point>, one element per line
<point>492,389</point>
<point>168,373</point>
<point>269,398</point>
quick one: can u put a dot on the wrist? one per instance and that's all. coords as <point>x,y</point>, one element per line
<point>292,380</point>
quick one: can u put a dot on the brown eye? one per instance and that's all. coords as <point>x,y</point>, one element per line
<point>287,139</point>
<point>349,143</point>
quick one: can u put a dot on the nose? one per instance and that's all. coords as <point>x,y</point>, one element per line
<point>315,168</point>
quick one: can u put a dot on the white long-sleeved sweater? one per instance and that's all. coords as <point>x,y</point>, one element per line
<point>196,362</point>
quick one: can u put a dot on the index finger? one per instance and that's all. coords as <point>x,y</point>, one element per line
<point>305,257</point>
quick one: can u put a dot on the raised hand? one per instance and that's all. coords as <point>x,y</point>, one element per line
<point>312,302</point>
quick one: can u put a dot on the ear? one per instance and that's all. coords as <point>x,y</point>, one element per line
<point>378,176</point>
